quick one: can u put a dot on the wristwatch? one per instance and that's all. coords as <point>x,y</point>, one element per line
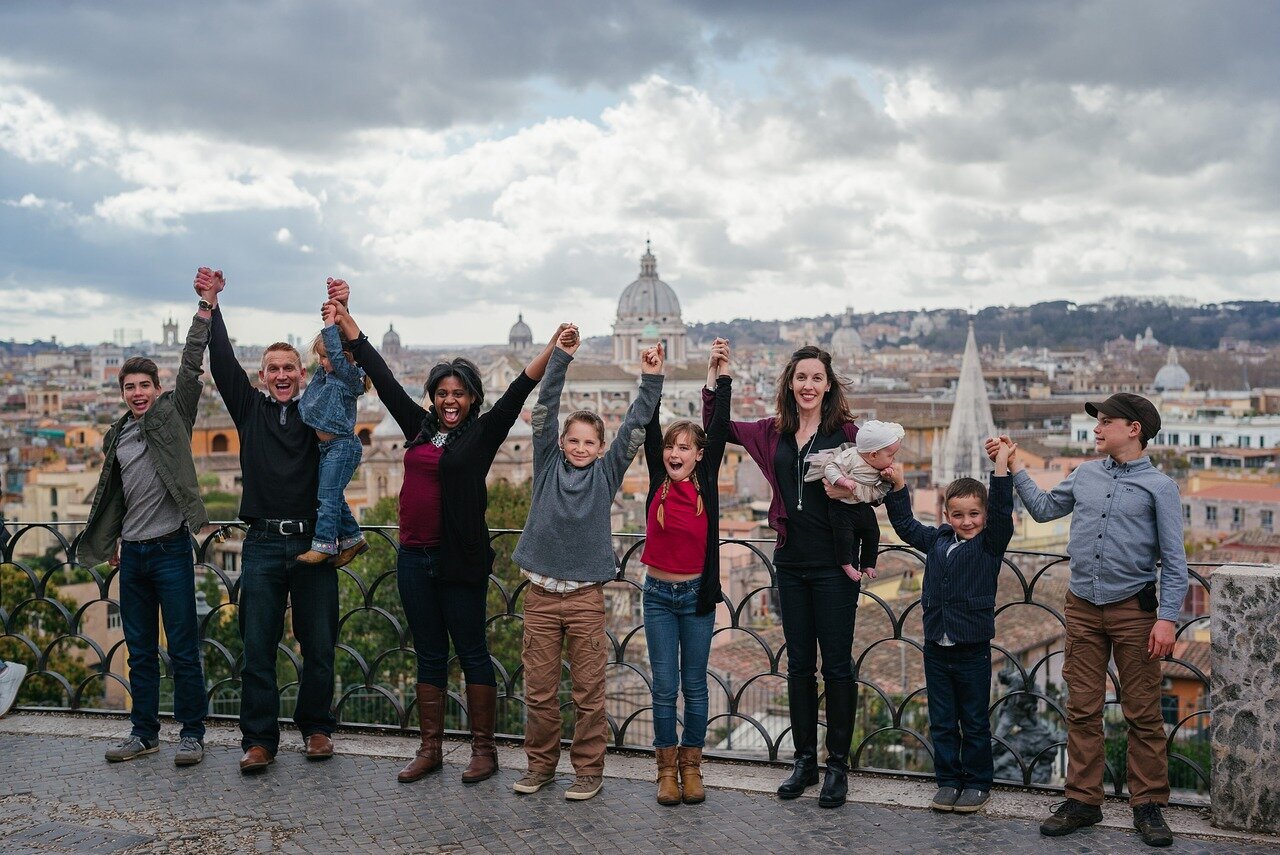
<point>206,305</point>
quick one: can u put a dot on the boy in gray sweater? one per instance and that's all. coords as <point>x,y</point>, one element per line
<point>566,552</point>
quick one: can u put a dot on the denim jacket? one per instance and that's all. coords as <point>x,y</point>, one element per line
<point>329,401</point>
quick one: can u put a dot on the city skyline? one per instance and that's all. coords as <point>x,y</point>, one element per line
<point>460,166</point>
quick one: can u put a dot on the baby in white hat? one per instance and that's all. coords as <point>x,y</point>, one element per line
<point>856,466</point>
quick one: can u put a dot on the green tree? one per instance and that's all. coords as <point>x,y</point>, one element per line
<point>44,620</point>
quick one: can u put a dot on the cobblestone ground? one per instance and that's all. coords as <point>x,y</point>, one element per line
<point>58,795</point>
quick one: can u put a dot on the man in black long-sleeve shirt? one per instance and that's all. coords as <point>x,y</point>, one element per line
<point>279,464</point>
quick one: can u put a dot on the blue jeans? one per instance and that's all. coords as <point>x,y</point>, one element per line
<point>679,645</point>
<point>158,579</point>
<point>272,579</point>
<point>958,682</point>
<point>438,611</point>
<point>819,606</point>
<point>336,528</point>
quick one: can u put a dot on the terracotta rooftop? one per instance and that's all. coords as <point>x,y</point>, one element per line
<point>1238,493</point>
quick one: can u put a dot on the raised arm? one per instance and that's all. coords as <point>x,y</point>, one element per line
<point>713,408</point>
<point>719,426</point>
<point>407,412</point>
<point>187,389</point>
<point>1042,506</point>
<point>653,449</point>
<point>898,504</point>
<point>228,375</point>
<point>546,412</point>
<point>344,371</point>
<point>631,433</point>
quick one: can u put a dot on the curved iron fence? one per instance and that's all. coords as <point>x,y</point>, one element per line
<point>62,620</point>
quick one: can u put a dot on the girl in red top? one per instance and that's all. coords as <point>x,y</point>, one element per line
<point>682,584</point>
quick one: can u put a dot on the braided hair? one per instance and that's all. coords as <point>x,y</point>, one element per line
<point>674,431</point>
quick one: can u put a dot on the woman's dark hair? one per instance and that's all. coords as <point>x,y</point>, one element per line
<point>835,409</point>
<point>469,376</point>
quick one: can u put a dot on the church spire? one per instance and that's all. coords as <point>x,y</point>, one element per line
<point>961,453</point>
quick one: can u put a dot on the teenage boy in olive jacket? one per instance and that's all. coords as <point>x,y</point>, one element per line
<point>145,509</point>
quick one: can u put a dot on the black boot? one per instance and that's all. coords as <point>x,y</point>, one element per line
<point>802,698</point>
<point>835,785</point>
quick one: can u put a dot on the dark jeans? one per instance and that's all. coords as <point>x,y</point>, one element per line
<point>679,642</point>
<point>438,611</point>
<point>158,578</point>
<point>857,539</point>
<point>819,605</point>
<point>958,682</point>
<point>271,581</point>
<point>336,527</point>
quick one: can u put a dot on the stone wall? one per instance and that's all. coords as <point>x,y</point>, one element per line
<point>1245,687</point>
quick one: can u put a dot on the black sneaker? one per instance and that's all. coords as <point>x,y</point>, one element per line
<point>1151,825</point>
<point>1066,817</point>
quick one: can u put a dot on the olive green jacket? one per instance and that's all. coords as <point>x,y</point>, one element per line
<point>166,428</point>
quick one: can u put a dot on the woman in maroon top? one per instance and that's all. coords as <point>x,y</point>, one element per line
<point>682,584</point>
<point>444,559</point>
<point>818,601</point>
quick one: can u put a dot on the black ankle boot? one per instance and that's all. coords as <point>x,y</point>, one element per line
<point>802,698</point>
<point>835,785</point>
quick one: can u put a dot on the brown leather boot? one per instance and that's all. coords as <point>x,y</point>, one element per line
<point>482,702</point>
<point>668,785</point>
<point>691,775</point>
<point>431,718</point>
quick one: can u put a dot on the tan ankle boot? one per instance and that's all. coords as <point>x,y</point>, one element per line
<point>482,702</point>
<point>431,717</point>
<point>668,785</point>
<point>691,775</point>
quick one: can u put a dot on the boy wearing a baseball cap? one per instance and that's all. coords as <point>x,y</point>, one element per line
<point>1126,517</point>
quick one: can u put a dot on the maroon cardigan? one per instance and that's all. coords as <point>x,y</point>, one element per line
<point>760,439</point>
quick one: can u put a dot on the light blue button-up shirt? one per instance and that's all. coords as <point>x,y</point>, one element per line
<point>1126,518</point>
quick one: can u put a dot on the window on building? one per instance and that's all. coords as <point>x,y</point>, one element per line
<point>1211,514</point>
<point>1082,435</point>
<point>113,616</point>
<point>1266,519</point>
<point>1237,517</point>
<point>53,497</point>
<point>1169,708</point>
<point>1195,439</point>
<point>1186,513</point>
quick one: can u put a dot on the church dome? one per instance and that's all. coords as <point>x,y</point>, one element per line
<point>520,335</point>
<point>1172,377</point>
<point>391,339</point>
<point>845,341</point>
<point>648,298</point>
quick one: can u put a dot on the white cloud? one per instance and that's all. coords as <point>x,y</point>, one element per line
<point>802,200</point>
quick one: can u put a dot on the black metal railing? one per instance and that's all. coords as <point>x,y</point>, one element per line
<point>62,620</point>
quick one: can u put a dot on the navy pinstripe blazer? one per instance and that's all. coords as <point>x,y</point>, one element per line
<point>959,595</point>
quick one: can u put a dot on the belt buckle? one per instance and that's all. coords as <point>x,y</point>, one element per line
<point>285,527</point>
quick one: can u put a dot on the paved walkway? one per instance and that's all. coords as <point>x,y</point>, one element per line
<point>58,795</point>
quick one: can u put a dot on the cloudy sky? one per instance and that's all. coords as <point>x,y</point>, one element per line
<point>460,162</point>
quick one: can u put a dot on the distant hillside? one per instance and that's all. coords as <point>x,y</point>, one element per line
<point>1058,325</point>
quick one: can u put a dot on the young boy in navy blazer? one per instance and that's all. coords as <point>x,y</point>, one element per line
<point>962,564</point>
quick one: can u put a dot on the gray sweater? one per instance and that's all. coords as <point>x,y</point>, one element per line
<point>567,535</point>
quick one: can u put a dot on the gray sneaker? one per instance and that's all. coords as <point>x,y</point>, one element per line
<point>190,752</point>
<point>533,781</point>
<point>970,800</point>
<point>134,746</point>
<point>945,798</point>
<point>584,787</point>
